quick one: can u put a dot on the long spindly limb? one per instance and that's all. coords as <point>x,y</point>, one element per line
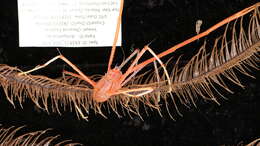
<point>84,77</point>
<point>136,52</point>
<point>73,74</point>
<point>167,76</point>
<point>142,91</point>
<point>130,77</point>
<point>129,70</point>
<point>116,36</point>
<point>194,38</point>
<point>139,55</point>
<point>128,58</point>
<point>163,66</point>
<point>120,67</point>
<point>135,92</point>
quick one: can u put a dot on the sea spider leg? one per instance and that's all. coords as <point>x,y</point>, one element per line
<point>132,66</point>
<point>145,90</point>
<point>129,58</point>
<point>163,66</point>
<point>141,91</point>
<point>81,76</point>
<point>121,66</point>
<point>87,79</point>
<point>111,83</point>
<point>130,77</point>
<point>128,72</point>
<point>196,37</point>
<point>72,74</point>
<point>135,67</point>
<point>116,36</point>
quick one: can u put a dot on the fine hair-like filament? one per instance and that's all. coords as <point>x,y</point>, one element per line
<point>11,136</point>
<point>236,50</point>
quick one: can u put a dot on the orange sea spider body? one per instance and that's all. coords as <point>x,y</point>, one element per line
<point>108,84</point>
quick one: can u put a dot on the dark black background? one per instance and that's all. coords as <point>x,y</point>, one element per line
<point>168,22</point>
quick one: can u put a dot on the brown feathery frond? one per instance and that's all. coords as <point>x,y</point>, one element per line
<point>55,95</point>
<point>237,50</point>
<point>9,136</point>
<point>41,89</point>
<point>60,94</point>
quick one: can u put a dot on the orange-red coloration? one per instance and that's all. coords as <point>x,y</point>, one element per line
<point>111,83</point>
<point>107,85</point>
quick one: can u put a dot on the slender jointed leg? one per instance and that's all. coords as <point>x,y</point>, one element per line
<point>129,58</point>
<point>163,66</point>
<point>83,76</point>
<point>73,74</point>
<point>140,91</point>
<point>129,70</point>
<point>135,92</point>
<point>116,36</point>
<point>120,67</point>
<point>134,63</point>
<point>196,37</point>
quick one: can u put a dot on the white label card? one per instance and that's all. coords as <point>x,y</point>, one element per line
<point>68,23</point>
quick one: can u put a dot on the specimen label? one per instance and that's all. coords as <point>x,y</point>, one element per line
<point>67,23</point>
